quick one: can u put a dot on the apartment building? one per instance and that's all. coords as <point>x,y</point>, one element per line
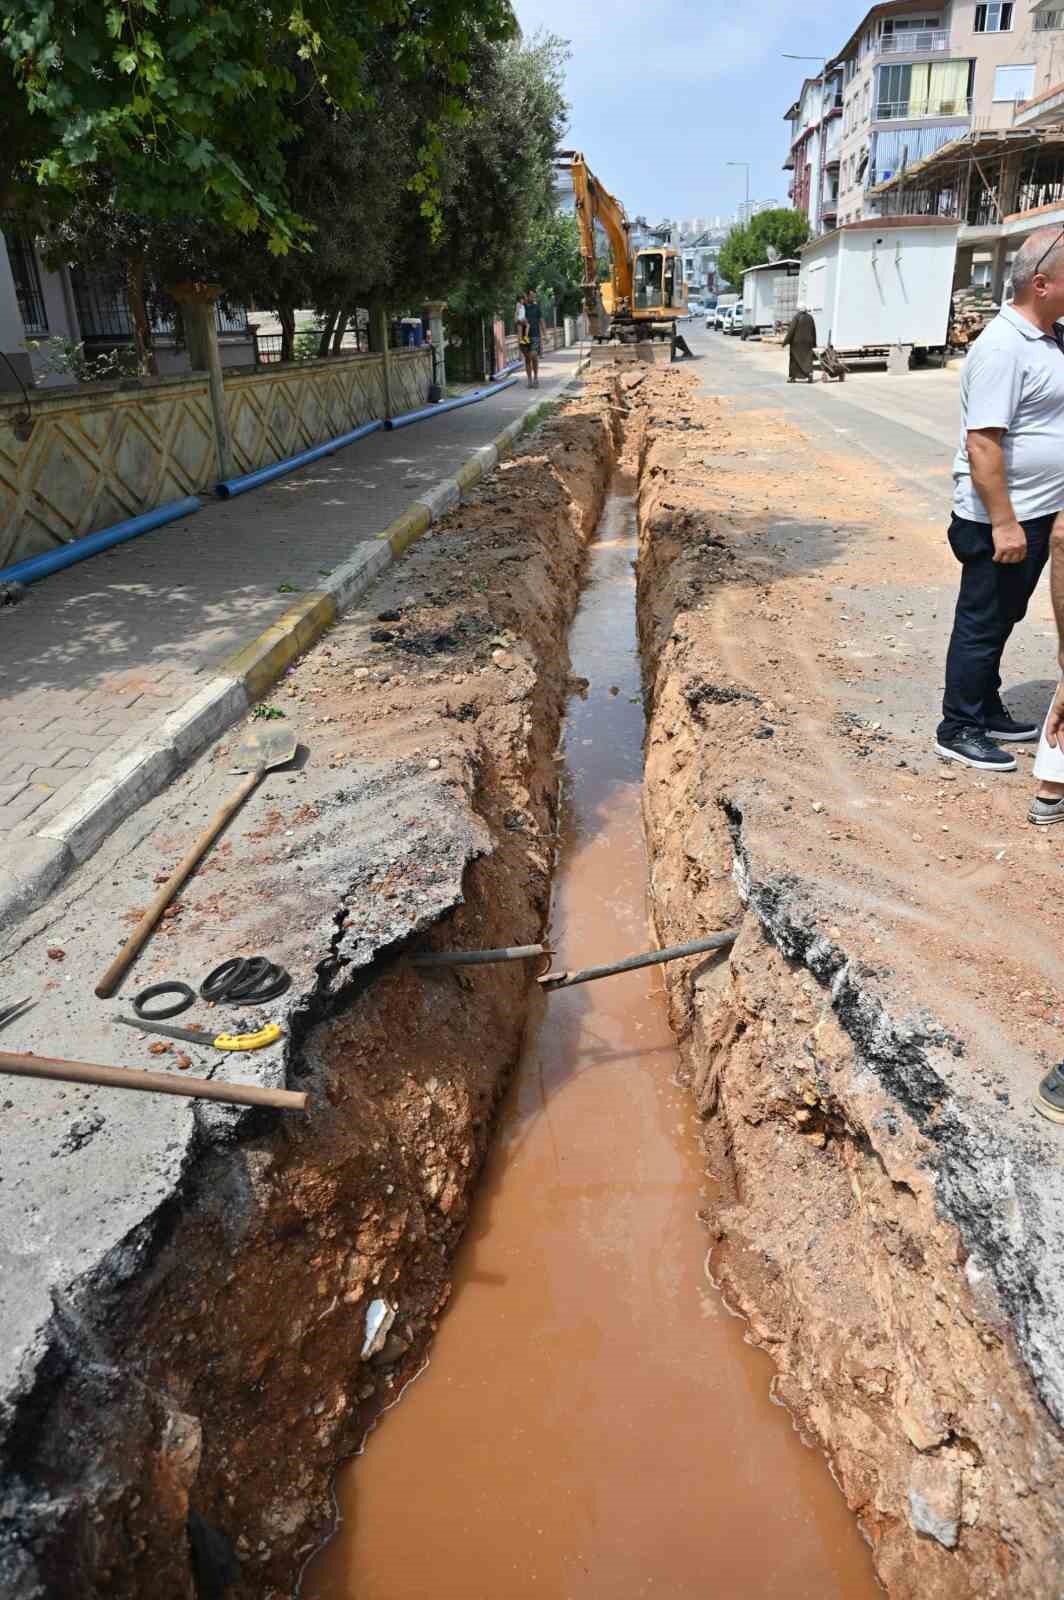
<point>813,158</point>
<point>700,257</point>
<point>909,80</point>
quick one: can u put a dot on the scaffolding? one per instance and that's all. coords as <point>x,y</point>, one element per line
<point>981,180</point>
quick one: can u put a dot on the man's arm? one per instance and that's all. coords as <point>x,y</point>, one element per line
<point>1055,720</point>
<point>986,457</point>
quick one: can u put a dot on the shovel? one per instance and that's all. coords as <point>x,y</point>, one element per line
<point>259,752</point>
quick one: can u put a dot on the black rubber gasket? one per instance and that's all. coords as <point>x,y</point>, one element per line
<point>249,979</point>
<point>271,990</point>
<point>187,998</point>
<point>215,985</point>
<point>258,971</point>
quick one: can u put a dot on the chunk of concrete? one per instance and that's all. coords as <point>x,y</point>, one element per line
<point>935,1498</point>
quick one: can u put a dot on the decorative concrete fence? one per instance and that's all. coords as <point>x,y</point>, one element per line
<point>100,453</point>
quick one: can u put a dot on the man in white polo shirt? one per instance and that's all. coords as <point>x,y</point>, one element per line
<point>1008,485</point>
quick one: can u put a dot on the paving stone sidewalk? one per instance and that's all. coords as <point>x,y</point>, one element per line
<point>94,657</point>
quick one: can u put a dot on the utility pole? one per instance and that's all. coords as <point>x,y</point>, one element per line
<point>745,164</point>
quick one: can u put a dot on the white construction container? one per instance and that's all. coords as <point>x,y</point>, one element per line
<point>769,296</point>
<point>881,287</point>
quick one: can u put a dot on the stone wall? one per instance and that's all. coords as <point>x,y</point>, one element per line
<point>100,453</point>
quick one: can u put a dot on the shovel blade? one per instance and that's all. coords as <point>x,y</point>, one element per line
<point>265,747</point>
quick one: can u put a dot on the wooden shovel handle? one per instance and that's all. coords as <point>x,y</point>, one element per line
<point>184,869</point>
<point>233,1094</point>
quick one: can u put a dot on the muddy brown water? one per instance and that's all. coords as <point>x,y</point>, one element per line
<point>592,1422</point>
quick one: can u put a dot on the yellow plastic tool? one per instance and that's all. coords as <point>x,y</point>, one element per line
<point>221,1041</point>
<point>249,1041</point>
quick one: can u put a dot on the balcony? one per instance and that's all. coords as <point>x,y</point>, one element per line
<point>913,42</point>
<point>918,111</point>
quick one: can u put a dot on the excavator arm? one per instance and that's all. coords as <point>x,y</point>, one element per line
<point>595,204</point>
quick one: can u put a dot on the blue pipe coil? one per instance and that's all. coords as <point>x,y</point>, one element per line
<point>35,567</point>
<point>228,487</point>
<point>448,405</point>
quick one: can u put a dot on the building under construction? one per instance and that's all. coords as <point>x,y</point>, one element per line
<point>999,185</point>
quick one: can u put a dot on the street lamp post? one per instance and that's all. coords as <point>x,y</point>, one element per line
<point>745,164</point>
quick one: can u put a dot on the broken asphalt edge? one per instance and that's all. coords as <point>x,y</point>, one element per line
<point>141,771</point>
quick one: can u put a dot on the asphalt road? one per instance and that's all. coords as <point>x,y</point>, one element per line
<point>908,423</point>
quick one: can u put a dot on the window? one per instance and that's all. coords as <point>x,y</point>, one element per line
<point>23,259</point>
<point>904,24</point>
<point>1046,21</point>
<point>938,89</point>
<point>1013,83</point>
<point>994,17</point>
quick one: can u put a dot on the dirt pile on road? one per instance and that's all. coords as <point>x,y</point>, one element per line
<point>250,1336</point>
<point>888,1212</point>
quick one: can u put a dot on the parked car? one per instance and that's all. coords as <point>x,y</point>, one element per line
<point>723,306</point>
<point>695,308</point>
<point>734,323</point>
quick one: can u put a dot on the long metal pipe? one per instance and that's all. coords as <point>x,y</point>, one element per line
<point>229,487</point>
<point>697,947</point>
<point>475,958</point>
<point>35,567</point>
<point>448,405</point>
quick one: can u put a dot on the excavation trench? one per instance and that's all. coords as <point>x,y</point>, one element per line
<point>587,1417</point>
<point>591,1420</point>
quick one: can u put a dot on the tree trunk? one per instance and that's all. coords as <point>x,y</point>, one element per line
<point>138,312</point>
<point>286,316</point>
<point>327,333</point>
<point>378,325</point>
<point>341,329</point>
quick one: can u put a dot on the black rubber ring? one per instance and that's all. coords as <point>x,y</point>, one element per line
<point>215,985</point>
<point>153,989</point>
<point>269,991</point>
<point>258,971</point>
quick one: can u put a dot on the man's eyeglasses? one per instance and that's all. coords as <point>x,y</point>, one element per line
<point>1048,251</point>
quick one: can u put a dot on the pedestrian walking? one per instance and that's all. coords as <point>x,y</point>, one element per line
<point>1008,485</point>
<point>800,340</point>
<point>530,337</point>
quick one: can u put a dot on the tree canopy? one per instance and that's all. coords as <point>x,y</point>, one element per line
<point>326,154</point>
<point>747,245</point>
<point>188,105</point>
<point>553,264</point>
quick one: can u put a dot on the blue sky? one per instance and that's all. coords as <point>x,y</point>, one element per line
<point>663,95</point>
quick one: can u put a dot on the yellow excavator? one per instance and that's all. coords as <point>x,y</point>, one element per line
<point>645,292</point>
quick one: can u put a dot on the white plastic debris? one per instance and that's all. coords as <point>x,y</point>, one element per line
<point>379,1319</point>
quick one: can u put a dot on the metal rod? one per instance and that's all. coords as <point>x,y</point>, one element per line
<point>233,1094</point>
<point>714,941</point>
<point>475,958</point>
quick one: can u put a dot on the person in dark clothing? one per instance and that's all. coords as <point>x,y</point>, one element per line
<point>531,337</point>
<point>680,348</point>
<point>800,339</point>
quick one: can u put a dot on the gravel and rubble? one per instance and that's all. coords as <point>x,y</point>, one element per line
<point>186,1287</point>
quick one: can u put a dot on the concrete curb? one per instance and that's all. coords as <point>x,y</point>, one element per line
<point>143,771</point>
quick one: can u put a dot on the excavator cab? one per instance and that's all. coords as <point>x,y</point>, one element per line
<point>658,286</point>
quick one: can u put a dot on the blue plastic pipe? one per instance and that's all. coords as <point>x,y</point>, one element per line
<point>511,366</point>
<point>251,480</point>
<point>35,567</point>
<point>448,405</point>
